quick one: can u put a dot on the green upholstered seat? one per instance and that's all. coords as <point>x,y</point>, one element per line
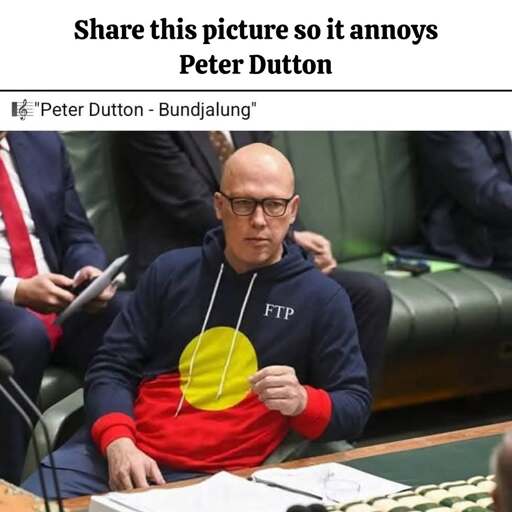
<point>356,188</point>
<point>446,307</point>
<point>57,383</point>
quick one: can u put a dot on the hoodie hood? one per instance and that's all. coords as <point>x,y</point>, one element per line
<point>294,261</point>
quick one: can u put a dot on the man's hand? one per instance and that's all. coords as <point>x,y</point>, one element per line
<point>319,246</point>
<point>279,389</point>
<point>128,467</point>
<point>45,293</point>
<point>100,302</point>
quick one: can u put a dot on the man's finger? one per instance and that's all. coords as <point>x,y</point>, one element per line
<point>63,296</point>
<point>86,273</point>
<point>271,382</point>
<point>124,482</point>
<point>320,243</point>
<point>139,475</point>
<point>60,280</point>
<point>314,246</point>
<point>328,270</point>
<point>270,370</point>
<point>155,474</point>
<point>328,267</point>
<point>278,393</point>
<point>106,294</point>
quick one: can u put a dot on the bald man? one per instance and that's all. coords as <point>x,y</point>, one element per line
<point>223,350</point>
<point>169,179</point>
<point>502,462</point>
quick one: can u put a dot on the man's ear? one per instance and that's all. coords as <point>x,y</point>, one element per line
<point>294,208</point>
<point>217,204</point>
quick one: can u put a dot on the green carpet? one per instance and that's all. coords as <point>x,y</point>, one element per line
<point>447,462</point>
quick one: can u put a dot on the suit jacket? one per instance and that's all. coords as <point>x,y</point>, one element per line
<point>173,178</point>
<point>466,181</point>
<point>61,224</point>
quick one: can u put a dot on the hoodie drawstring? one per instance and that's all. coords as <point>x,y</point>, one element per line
<point>196,349</point>
<point>203,328</point>
<point>235,334</point>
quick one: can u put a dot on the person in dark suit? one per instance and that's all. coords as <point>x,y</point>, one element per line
<point>466,184</point>
<point>47,247</point>
<point>174,177</point>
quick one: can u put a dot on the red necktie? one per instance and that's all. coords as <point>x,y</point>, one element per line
<point>22,255</point>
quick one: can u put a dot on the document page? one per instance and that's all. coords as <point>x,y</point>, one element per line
<point>333,482</point>
<point>222,492</point>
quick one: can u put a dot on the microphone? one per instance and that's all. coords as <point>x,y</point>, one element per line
<point>6,372</point>
<point>36,449</point>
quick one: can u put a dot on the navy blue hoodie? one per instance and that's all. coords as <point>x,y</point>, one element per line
<point>173,371</point>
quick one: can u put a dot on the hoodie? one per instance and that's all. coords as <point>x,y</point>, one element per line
<point>172,373</point>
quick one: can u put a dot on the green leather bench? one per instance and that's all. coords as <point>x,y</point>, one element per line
<point>450,332</point>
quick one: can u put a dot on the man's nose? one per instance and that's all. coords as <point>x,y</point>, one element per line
<point>258,217</point>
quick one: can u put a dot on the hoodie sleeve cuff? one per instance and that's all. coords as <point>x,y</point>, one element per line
<point>313,420</point>
<point>110,427</point>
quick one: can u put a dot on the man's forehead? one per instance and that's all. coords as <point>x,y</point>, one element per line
<point>259,185</point>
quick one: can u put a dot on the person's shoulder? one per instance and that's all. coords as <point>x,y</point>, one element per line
<point>178,259</point>
<point>322,288</point>
<point>169,265</point>
<point>48,138</point>
<point>37,140</point>
<point>44,150</point>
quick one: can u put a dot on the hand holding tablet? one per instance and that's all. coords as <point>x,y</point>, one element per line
<point>95,288</point>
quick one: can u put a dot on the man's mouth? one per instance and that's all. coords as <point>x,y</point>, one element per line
<point>256,240</point>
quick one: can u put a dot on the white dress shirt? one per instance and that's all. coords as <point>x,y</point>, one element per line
<point>9,284</point>
<point>229,137</point>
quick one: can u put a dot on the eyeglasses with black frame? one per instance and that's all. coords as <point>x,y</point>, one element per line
<point>245,206</point>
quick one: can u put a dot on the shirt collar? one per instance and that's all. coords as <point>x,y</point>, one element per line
<point>4,144</point>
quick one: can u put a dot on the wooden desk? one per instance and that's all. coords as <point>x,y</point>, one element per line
<point>82,503</point>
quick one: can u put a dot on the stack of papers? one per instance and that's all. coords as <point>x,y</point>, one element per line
<point>222,492</point>
<point>271,490</point>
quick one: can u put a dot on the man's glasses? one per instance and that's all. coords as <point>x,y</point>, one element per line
<point>272,206</point>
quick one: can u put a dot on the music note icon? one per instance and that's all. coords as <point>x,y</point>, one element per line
<point>22,109</point>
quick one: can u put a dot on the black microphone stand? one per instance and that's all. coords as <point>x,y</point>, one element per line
<point>24,415</point>
<point>6,371</point>
<point>46,436</point>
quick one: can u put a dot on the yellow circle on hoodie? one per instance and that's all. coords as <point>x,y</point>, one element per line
<point>203,391</point>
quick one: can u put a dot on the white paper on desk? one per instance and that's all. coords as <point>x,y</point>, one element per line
<point>312,479</point>
<point>222,492</point>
